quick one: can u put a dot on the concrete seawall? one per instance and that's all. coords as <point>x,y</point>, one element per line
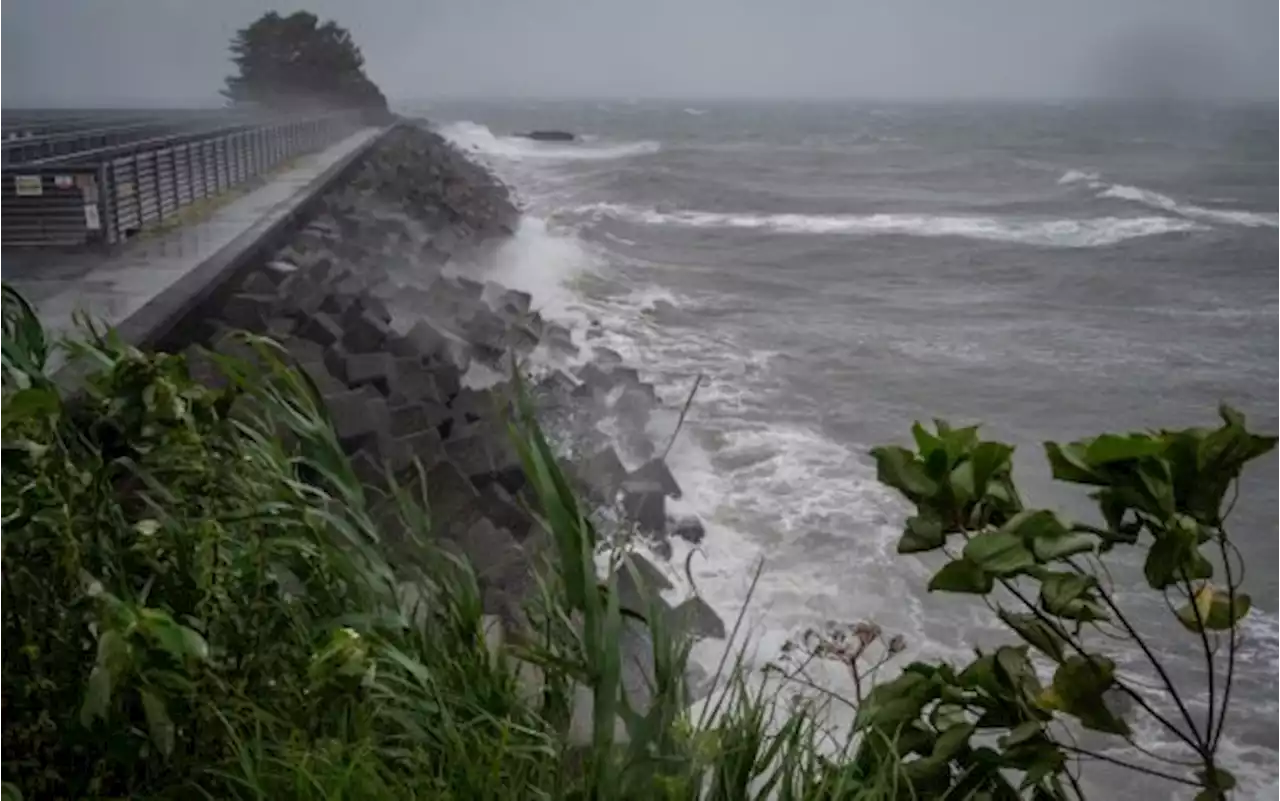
<point>367,276</point>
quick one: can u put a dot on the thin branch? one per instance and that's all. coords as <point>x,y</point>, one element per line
<point>1232,643</point>
<point>680,423</point>
<point>1084,752</point>
<point>1122,686</point>
<point>1156,663</point>
<point>1208,660</point>
<point>1235,496</point>
<point>805,681</point>
<point>1142,749</point>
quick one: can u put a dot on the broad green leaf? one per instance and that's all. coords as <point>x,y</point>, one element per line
<point>1157,487</point>
<point>97,697</point>
<point>1046,534</point>
<point>1079,685</point>
<point>1069,463</point>
<point>999,553</point>
<point>1031,523</point>
<point>165,631</point>
<point>1216,610</point>
<point>989,459</point>
<point>961,483</point>
<point>921,534</point>
<point>1021,733</point>
<point>898,468</point>
<point>1036,633</point>
<point>928,777</point>
<point>158,723</point>
<point>194,644</point>
<point>32,402</point>
<point>962,575</point>
<point>1012,662</point>
<point>1174,556</point>
<point>1048,549</point>
<point>926,443</point>
<point>980,674</point>
<point>913,739</point>
<point>951,741</point>
<point>1070,596</point>
<point>1110,448</point>
<point>1038,759</point>
<point>891,704</point>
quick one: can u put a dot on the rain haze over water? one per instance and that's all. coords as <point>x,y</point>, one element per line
<point>1053,218</point>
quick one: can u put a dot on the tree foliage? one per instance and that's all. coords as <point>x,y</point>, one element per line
<point>295,62</point>
<point>1164,493</point>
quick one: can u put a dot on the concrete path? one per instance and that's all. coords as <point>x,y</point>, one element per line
<point>144,285</point>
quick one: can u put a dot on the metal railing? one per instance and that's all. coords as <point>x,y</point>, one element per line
<point>107,195</point>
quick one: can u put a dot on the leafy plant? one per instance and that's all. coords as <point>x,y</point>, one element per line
<point>201,600</point>
<point>1162,493</point>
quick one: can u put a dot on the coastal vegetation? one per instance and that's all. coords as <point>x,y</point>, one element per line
<point>199,602</point>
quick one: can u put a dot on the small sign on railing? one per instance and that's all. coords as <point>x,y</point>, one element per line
<point>28,185</point>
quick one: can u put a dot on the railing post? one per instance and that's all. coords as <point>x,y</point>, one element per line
<point>155,179</point>
<point>191,174</point>
<point>136,183</point>
<point>173,178</point>
<point>205,173</point>
<point>106,204</point>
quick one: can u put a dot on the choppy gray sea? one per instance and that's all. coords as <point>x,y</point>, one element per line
<point>838,271</point>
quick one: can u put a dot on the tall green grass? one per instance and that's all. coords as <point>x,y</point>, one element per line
<point>200,600</point>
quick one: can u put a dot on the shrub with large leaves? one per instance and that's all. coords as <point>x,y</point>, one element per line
<point>1163,492</point>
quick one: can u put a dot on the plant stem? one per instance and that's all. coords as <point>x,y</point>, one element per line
<point>1231,640</point>
<point>1125,688</point>
<point>1151,657</point>
<point>680,423</point>
<point>1084,752</point>
<point>1208,659</point>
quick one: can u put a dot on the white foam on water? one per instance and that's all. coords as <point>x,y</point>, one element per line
<point>476,138</point>
<point>1155,200</point>
<point>544,262</point>
<point>1061,233</point>
<point>780,492</point>
<point>1077,176</point>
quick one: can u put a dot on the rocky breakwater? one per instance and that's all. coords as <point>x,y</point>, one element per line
<point>377,297</point>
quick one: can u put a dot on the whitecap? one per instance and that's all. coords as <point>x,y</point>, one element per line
<point>1063,233</point>
<point>1156,200</point>
<point>1077,176</point>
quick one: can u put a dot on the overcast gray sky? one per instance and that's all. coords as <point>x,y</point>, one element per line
<point>109,52</point>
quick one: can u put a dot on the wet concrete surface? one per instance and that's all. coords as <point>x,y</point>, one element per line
<point>113,287</point>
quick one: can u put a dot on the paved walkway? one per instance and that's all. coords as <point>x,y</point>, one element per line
<point>145,279</point>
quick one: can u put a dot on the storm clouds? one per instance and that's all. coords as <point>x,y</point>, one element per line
<point>174,52</point>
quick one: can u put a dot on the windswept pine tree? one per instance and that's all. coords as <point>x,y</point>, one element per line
<point>297,62</point>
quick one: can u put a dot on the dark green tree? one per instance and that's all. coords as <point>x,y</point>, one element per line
<point>297,62</point>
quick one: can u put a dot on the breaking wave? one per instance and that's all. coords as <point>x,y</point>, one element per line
<point>1077,176</point>
<point>1155,200</point>
<point>477,138</point>
<point>1062,233</point>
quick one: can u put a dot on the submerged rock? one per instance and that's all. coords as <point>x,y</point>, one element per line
<point>549,136</point>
